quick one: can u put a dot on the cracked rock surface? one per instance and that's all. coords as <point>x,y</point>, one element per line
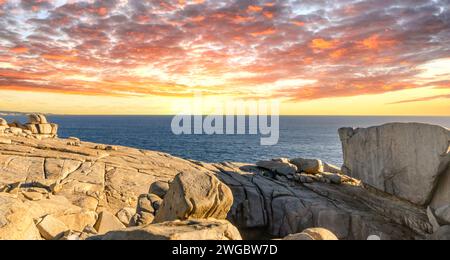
<point>80,186</point>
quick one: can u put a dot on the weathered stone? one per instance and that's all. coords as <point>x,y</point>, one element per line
<point>16,222</point>
<point>405,160</point>
<point>107,222</point>
<point>310,166</point>
<point>159,188</point>
<point>124,215</point>
<point>443,214</point>
<point>142,218</point>
<point>187,230</point>
<point>195,195</point>
<point>278,167</point>
<point>37,119</point>
<point>46,129</point>
<point>51,228</point>
<point>145,204</point>
<point>79,221</point>
<point>3,122</point>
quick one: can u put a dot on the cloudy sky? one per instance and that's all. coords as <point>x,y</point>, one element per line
<point>146,56</point>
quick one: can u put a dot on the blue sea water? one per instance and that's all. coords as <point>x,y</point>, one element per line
<point>300,136</point>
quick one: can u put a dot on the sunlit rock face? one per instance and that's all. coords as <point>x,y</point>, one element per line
<point>410,160</point>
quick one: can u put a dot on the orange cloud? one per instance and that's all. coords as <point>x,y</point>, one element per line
<point>298,23</point>
<point>322,44</point>
<point>268,15</point>
<point>254,9</point>
<point>375,43</point>
<point>264,33</point>
<point>338,54</point>
<point>59,57</point>
<point>19,50</point>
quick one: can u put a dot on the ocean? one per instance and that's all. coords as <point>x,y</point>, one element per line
<point>300,136</point>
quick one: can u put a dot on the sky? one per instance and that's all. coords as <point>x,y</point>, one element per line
<point>316,57</point>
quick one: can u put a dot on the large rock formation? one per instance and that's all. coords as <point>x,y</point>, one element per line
<point>195,195</point>
<point>410,161</point>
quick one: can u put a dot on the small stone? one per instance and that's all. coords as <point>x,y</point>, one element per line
<point>51,228</point>
<point>111,148</point>
<point>145,204</point>
<point>142,218</point>
<point>100,147</point>
<point>334,178</point>
<point>124,215</point>
<point>107,222</point>
<point>159,188</point>
<point>3,122</point>
<point>310,166</point>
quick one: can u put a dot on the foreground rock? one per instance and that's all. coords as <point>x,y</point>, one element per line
<point>313,234</point>
<point>16,222</point>
<point>209,229</point>
<point>195,195</point>
<point>406,160</point>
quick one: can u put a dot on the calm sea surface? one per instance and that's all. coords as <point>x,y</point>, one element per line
<point>310,137</point>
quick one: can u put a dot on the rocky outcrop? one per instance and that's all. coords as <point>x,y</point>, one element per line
<point>89,188</point>
<point>410,161</point>
<point>37,127</point>
<point>195,195</point>
<point>209,229</point>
